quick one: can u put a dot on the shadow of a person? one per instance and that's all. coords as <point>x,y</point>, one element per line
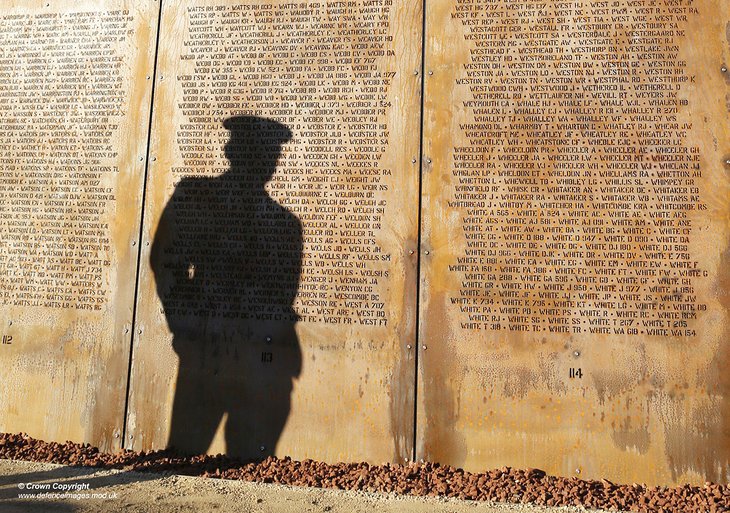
<point>226,260</point>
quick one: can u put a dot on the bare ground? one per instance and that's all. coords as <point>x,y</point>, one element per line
<point>167,493</point>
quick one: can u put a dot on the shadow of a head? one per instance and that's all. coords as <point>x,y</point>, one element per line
<point>254,145</point>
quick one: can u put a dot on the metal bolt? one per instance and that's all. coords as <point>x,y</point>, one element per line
<point>162,78</point>
<point>576,353</point>
<point>131,436</point>
<point>154,159</point>
<point>413,161</point>
<point>408,346</point>
<point>727,162</point>
<point>134,243</point>
<point>10,323</point>
<point>139,331</point>
<point>430,72</point>
<point>141,159</point>
<point>268,339</point>
<point>724,69</point>
<point>415,72</point>
<point>116,435</point>
<point>428,252</point>
<point>147,243</point>
<point>148,77</point>
<point>126,330</point>
<point>262,448</point>
<point>410,252</point>
<point>577,471</point>
<point>428,160</point>
<point>405,459</point>
<point>424,347</point>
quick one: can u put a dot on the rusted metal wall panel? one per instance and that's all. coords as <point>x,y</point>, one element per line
<point>277,290</point>
<point>574,305</point>
<point>74,113</point>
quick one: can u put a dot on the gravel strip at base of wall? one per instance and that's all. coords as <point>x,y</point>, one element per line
<point>419,479</point>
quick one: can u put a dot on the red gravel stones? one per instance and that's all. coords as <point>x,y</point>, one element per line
<point>501,485</point>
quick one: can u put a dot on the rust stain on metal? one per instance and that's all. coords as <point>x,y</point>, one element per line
<point>75,121</point>
<point>277,297</point>
<point>575,303</point>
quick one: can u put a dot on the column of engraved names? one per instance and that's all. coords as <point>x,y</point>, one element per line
<point>61,101</point>
<point>321,68</point>
<point>577,186</point>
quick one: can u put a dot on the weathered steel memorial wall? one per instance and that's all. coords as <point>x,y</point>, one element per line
<point>575,209</point>
<point>74,106</point>
<point>297,316</point>
<point>482,233</point>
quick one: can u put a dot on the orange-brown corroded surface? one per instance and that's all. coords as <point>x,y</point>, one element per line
<point>277,295</point>
<point>75,112</point>
<point>575,213</point>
